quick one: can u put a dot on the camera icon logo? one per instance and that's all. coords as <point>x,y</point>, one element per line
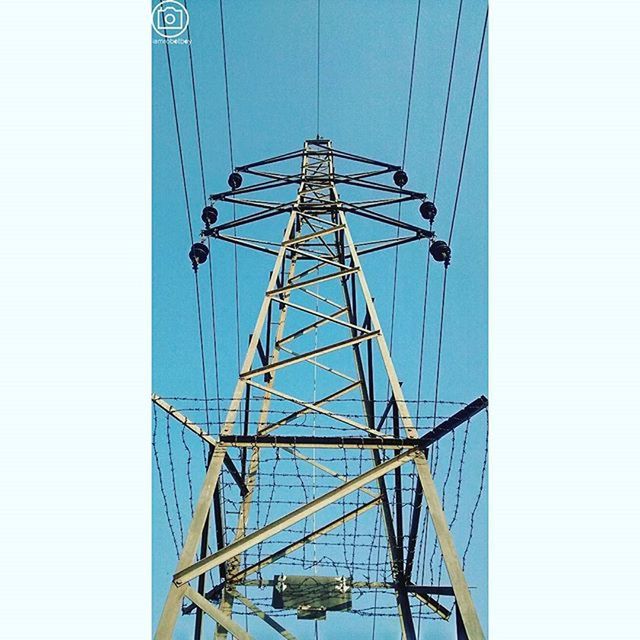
<point>170,19</point>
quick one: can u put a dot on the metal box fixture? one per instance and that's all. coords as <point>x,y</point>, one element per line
<point>312,596</point>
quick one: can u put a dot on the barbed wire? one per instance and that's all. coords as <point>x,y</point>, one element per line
<point>460,468</point>
<point>479,495</point>
<point>188,468</point>
<point>278,399</point>
<point>161,482</point>
<point>360,549</point>
<point>444,503</point>
<point>173,479</point>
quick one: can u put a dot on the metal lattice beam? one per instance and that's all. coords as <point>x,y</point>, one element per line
<point>317,232</point>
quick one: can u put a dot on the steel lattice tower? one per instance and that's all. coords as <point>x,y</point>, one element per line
<point>317,261</point>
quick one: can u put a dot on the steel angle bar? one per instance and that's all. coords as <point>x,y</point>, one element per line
<point>312,236</point>
<point>318,409</point>
<point>247,244</point>
<point>236,475</point>
<point>356,158</point>
<point>416,509</point>
<point>280,158</point>
<point>182,419</point>
<point>308,283</point>
<point>258,241</point>
<point>375,186</point>
<point>318,442</point>
<point>252,373</point>
<point>370,205</point>
<point>461,632</point>
<point>308,216</point>
<point>221,618</point>
<point>320,365</point>
<point>260,186</point>
<point>257,611</point>
<point>326,246</point>
<point>379,217</point>
<point>312,326</point>
<point>385,413</point>
<point>304,410</point>
<point>328,470</point>
<point>316,256</point>
<point>390,244</point>
<point>329,318</point>
<point>433,604</point>
<point>267,205</point>
<point>194,428</point>
<point>274,174</point>
<point>432,590</point>
<point>284,207</point>
<point>380,202</point>
<point>294,546</point>
<point>295,516</point>
<point>459,417</point>
<point>360,175</point>
<point>306,272</point>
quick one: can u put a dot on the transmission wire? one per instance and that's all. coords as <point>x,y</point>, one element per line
<point>229,130</point>
<point>466,137</point>
<point>318,80</point>
<point>188,213</point>
<point>210,268</point>
<point>453,218</point>
<point>413,67</point>
<point>446,106</point>
<point>404,154</point>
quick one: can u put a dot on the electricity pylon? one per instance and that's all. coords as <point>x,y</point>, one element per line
<point>317,263</point>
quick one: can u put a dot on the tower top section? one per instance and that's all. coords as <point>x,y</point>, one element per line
<point>319,171</point>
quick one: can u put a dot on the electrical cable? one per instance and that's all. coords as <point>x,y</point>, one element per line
<point>453,219</point>
<point>229,131</point>
<point>413,67</point>
<point>446,106</point>
<point>466,137</point>
<point>318,77</point>
<point>188,213</point>
<point>195,112</point>
<point>204,198</point>
<point>179,138</point>
<point>404,153</point>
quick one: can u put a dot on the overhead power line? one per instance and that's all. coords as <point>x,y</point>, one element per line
<point>446,105</point>
<point>190,225</point>
<point>469,119</point>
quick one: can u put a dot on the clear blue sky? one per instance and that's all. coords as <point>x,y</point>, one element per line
<point>365,70</point>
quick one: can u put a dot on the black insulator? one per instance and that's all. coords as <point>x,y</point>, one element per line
<point>198,254</point>
<point>235,180</point>
<point>428,210</point>
<point>440,251</point>
<point>209,215</point>
<point>400,178</point>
